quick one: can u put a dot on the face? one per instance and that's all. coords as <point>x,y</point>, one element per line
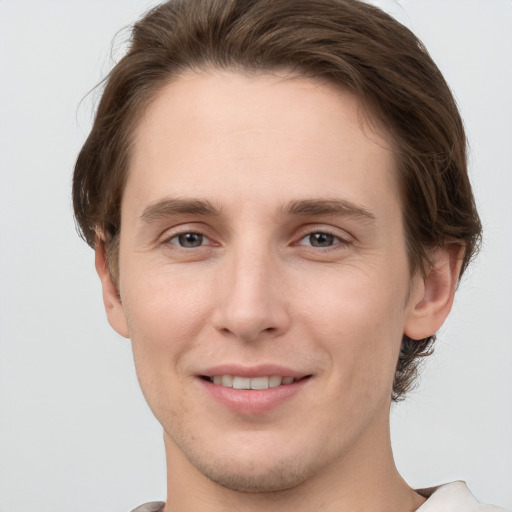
<point>262,246</point>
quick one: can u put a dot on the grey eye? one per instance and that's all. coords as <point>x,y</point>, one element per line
<point>189,240</point>
<point>320,239</point>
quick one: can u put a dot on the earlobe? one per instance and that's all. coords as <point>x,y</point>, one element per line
<point>432,299</point>
<point>111,298</point>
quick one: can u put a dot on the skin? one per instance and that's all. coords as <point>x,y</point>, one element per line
<point>259,289</point>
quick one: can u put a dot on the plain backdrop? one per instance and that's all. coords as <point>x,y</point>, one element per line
<point>75,432</point>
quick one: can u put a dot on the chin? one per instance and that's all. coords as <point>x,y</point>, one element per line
<point>250,461</point>
<point>280,475</point>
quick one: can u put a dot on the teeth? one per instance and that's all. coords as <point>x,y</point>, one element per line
<point>274,381</point>
<point>241,383</point>
<point>259,383</point>
<point>227,380</point>
<point>236,382</point>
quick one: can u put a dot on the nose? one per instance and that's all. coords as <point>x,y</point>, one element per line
<point>253,302</point>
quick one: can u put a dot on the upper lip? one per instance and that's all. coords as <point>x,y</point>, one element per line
<point>261,370</point>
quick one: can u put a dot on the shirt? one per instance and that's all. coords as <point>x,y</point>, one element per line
<point>453,497</point>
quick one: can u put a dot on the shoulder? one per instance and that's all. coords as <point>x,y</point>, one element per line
<point>453,497</point>
<point>154,506</point>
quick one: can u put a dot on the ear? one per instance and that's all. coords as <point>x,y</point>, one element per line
<point>432,295</point>
<point>111,298</point>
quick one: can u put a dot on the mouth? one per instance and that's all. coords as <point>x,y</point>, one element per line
<point>254,390</point>
<point>254,383</point>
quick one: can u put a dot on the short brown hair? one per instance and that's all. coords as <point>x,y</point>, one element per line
<point>347,42</point>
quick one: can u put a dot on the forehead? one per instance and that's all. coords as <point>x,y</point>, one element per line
<point>268,136</point>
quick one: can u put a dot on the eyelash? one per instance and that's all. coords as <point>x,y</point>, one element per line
<point>335,239</point>
<point>177,236</point>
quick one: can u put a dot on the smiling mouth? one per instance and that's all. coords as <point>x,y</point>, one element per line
<point>256,383</point>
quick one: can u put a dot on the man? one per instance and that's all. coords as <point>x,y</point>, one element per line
<point>278,200</point>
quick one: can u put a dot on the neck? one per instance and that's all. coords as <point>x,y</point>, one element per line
<point>365,479</point>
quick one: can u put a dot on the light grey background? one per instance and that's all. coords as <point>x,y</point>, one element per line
<point>75,433</point>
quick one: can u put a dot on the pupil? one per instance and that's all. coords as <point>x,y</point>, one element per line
<point>190,240</point>
<point>321,239</point>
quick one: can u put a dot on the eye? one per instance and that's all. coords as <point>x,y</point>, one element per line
<point>320,239</point>
<point>189,240</point>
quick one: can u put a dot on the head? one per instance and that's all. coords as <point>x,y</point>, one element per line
<point>351,51</point>
<point>352,45</point>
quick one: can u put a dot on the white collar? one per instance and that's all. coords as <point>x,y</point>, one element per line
<point>452,497</point>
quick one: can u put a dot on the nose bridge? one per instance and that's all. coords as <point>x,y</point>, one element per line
<point>253,302</point>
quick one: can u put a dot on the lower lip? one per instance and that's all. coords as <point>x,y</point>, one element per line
<point>249,401</point>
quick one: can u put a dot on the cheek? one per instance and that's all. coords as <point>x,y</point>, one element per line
<point>359,319</point>
<point>165,314</point>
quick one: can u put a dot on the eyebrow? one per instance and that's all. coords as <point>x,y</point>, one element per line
<point>303,208</point>
<point>176,206</point>
<point>313,207</point>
